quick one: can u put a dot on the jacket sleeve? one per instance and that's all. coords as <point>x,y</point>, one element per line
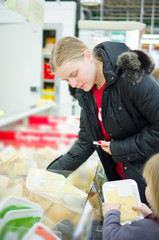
<point>113,230</point>
<point>80,151</point>
<point>145,97</point>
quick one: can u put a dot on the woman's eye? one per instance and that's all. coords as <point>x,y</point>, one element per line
<point>74,74</point>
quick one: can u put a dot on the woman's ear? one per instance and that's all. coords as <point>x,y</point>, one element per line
<point>88,54</point>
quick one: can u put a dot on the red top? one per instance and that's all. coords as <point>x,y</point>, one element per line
<point>98,97</point>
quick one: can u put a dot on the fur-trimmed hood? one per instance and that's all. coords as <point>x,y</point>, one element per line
<point>134,64</point>
<point>117,57</point>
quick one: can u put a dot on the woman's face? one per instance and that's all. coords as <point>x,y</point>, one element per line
<point>79,73</point>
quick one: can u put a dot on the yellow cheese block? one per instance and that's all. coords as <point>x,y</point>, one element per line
<point>20,168</point>
<point>40,102</point>
<point>68,188</point>
<point>45,156</point>
<point>3,183</point>
<point>127,202</point>
<point>44,181</point>
<point>58,213</point>
<point>73,196</point>
<point>82,179</point>
<point>7,154</point>
<point>14,191</point>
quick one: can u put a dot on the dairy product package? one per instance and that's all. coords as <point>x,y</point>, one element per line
<point>124,192</point>
<point>73,196</point>
<point>45,183</point>
<point>17,216</point>
<point>42,232</point>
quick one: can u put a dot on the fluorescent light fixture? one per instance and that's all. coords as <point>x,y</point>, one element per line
<point>90,2</point>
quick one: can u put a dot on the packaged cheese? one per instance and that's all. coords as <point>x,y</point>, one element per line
<point>45,156</point>
<point>45,183</point>
<point>15,190</point>
<point>82,179</point>
<point>73,196</point>
<point>4,180</point>
<point>17,217</point>
<point>126,193</point>
<point>42,180</point>
<point>7,153</point>
<point>126,208</point>
<point>58,213</point>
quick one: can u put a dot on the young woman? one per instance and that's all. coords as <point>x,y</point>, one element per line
<point>147,228</point>
<point>119,102</point>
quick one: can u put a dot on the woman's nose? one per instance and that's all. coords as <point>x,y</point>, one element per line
<point>73,83</point>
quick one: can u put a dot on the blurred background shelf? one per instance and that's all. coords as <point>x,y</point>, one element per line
<point>11,118</point>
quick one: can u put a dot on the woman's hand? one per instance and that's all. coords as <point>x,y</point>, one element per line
<point>106,207</point>
<point>105,145</point>
<point>144,209</point>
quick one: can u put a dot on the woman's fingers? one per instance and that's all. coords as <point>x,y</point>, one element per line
<point>105,145</point>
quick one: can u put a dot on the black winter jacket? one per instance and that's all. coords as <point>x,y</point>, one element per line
<point>130,115</point>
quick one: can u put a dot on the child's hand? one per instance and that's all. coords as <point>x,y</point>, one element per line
<point>144,209</point>
<point>109,206</point>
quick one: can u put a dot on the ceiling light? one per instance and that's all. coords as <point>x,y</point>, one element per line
<point>90,2</point>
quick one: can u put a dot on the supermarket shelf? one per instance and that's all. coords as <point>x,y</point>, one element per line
<point>47,54</point>
<point>49,80</point>
<point>49,93</point>
<point>10,118</point>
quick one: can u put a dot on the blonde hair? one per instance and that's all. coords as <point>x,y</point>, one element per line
<point>65,50</point>
<point>151,175</point>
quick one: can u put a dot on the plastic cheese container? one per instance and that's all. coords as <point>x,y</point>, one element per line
<point>17,216</point>
<point>124,192</point>
<point>73,196</point>
<point>45,183</point>
<point>17,202</point>
<point>40,232</point>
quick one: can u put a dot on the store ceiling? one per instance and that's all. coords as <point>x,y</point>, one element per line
<point>146,11</point>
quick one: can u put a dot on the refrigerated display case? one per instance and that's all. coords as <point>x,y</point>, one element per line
<point>72,212</point>
<point>68,211</point>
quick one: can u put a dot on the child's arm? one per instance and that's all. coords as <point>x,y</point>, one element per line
<point>144,209</point>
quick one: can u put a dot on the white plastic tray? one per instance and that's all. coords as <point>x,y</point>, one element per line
<point>125,188</point>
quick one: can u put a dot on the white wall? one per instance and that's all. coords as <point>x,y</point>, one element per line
<point>20,61</point>
<point>9,16</point>
<point>21,56</point>
<point>65,14</point>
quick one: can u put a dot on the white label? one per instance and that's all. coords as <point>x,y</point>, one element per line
<point>124,189</point>
<point>38,182</point>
